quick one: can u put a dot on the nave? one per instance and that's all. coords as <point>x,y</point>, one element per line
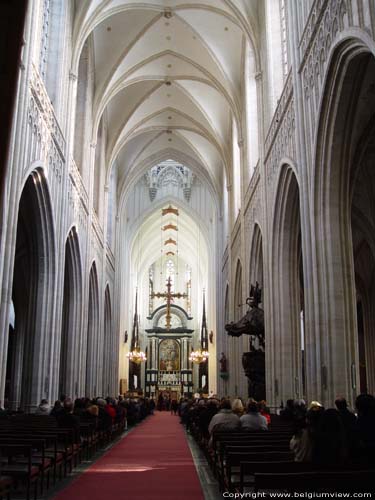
<point>162,158</point>
<point>152,462</point>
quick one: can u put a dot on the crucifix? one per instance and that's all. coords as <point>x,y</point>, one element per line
<point>169,296</point>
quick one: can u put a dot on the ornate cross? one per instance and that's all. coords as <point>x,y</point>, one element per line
<point>169,296</point>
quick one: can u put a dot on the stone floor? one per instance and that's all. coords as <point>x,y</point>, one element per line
<point>209,484</point>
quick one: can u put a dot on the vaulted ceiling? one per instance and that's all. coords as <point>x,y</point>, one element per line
<point>168,78</point>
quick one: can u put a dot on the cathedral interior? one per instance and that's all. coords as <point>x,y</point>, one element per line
<point>175,174</point>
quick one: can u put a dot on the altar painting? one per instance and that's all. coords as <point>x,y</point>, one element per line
<point>169,355</point>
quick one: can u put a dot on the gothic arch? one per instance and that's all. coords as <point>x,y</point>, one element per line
<point>346,144</point>
<point>285,319</point>
<point>238,291</point>
<point>236,346</point>
<point>34,280</point>
<point>93,348</point>
<point>226,304</point>
<point>71,323</point>
<point>109,347</point>
<point>256,258</point>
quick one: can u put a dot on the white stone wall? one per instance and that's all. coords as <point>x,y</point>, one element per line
<point>43,139</point>
<point>289,143</point>
<point>294,129</point>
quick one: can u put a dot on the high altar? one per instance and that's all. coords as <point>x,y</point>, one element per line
<point>169,343</point>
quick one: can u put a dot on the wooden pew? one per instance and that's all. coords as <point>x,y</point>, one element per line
<point>348,481</point>
<point>233,461</point>
<point>26,473</point>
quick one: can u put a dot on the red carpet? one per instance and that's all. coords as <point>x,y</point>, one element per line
<point>153,462</point>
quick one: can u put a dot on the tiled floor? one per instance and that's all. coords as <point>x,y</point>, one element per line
<point>209,484</point>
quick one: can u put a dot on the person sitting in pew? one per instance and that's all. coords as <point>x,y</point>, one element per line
<point>43,408</point>
<point>365,428</point>
<point>238,407</point>
<point>303,439</point>
<point>104,419</point>
<point>225,419</point>
<point>349,421</point>
<point>265,411</point>
<point>253,420</point>
<point>287,413</point>
<point>329,444</point>
<point>57,408</point>
<point>67,420</point>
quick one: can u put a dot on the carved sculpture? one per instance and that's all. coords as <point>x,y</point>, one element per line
<point>253,321</point>
<point>253,362</point>
<point>223,367</point>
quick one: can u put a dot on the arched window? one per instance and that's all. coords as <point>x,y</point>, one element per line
<point>252,115</point>
<point>236,171</point>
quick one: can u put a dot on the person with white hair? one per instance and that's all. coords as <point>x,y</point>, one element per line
<point>44,408</point>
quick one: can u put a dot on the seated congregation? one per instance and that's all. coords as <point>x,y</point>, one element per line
<point>54,440</point>
<point>249,449</point>
<point>300,449</point>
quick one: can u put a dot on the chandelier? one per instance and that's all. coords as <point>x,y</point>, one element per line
<point>198,356</point>
<point>136,356</point>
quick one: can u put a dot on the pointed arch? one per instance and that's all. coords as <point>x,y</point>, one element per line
<point>285,287</point>
<point>108,351</point>
<point>256,258</point>
<point>34,282</point>
<point>71,323</point>
<point>238,291</point>
<point>226,305</point>
<point>92,349</point>
<point>342,183</point>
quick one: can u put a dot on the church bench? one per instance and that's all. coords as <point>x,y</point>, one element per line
<point>25,473</point>
<point>249,437</point>
<point>227,449</point>
<point>51,449</point>
<point>89,438</point>
<point>342,481</point>
<point>220,441</point>
<point>233,461</point>
<point>65,441</point>
<point>6,483</point>
<point>248,469</point>
<point>38,458</point>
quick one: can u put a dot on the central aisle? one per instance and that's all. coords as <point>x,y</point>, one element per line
<point>152,462</point>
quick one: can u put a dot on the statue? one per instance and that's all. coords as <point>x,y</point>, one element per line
<point>253,321</point>
<point>223,363</point>
<point>253,361</point>
<point>223,367</point>
<point>253,364</point>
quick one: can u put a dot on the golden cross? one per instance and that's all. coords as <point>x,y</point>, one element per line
<point>169,296</point>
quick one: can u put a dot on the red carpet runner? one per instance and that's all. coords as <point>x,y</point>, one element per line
<point>153,462</point>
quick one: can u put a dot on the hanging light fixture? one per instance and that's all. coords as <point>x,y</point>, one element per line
<point>136,355</point>
<point>198,356</point>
